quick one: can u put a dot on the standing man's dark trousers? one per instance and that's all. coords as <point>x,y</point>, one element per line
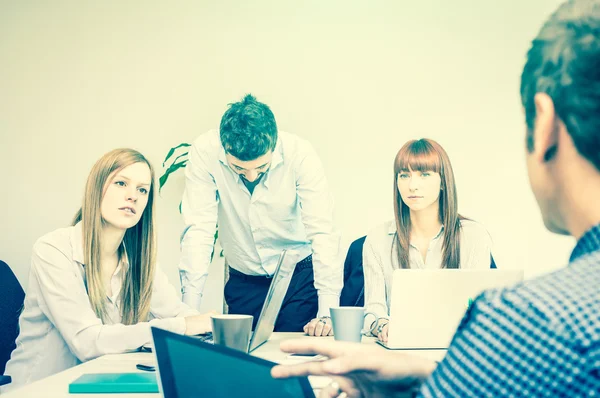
<point>246,294</point>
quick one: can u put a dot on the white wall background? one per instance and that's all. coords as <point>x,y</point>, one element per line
<point>356,78</point>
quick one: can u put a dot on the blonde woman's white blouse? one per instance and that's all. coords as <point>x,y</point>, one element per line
<point>58,327</point>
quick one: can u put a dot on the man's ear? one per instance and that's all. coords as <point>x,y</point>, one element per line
<point>545,132</point>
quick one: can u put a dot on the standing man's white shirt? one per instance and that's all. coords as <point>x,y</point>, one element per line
<point>58,327</point>
<point>290,208</point>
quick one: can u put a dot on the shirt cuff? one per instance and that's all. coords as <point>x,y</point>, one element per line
<point>326,301</point>
<point>192,300</point>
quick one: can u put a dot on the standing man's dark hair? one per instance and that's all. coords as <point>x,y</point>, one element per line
<point>248,129</point>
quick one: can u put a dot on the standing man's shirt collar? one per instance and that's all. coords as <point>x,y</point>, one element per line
<point>276,160</point>
<point>589,243</point>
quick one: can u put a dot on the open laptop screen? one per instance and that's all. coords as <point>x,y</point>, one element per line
<point>190,368</point>
<point>277,291</point>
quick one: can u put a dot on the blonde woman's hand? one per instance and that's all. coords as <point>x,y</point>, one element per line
<point>199,324</point>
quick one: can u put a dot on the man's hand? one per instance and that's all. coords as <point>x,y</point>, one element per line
<point>319,327</point>
<point>358,370</point>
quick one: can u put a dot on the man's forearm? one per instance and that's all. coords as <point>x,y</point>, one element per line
<point>192,299</point>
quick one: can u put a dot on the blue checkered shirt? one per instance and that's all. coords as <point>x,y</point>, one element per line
<point>540,338</point>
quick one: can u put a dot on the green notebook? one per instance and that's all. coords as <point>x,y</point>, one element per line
<point>114,383</point>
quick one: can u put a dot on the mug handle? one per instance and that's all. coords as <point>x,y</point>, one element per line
<point>369,332</point>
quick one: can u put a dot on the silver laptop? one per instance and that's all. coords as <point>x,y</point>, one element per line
<point>427,305</point>
<point>277,291</point>
<point>270,310</point>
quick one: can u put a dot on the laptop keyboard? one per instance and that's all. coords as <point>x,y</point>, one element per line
<point>206,338</point>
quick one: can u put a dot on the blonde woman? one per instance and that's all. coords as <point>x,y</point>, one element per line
<point>94,287</point>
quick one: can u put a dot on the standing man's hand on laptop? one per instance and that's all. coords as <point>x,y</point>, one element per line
<point>358,370</point>
<point>199,324</point>
<point>319,327</point>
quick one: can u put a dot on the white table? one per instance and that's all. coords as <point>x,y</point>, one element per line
<point>58,384</point>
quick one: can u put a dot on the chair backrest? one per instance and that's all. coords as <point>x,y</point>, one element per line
<point>353,293</point>
<point>11,305</point>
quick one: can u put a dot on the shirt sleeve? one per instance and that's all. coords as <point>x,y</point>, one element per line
<point>476,247</point>
<point>316,202</point>
<point>504,346</point>
<point>199,209</point>
<point>166,302</point>
<point>375,284</point>
<point>64,301</point>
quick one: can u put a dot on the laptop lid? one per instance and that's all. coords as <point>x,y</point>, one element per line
<point>427,305</point>
<point>273,301</point>
<point>188,367</point>
<point>277,291</point>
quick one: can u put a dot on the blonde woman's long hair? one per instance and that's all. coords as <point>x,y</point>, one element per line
<point>427,155</point>
<point>139,242</point>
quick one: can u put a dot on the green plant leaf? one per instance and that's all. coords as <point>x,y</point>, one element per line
<point>172,151</point>
<point>180,162</point>
<point>215,243</point>
<point>185,154</point>
<point>172,168</point>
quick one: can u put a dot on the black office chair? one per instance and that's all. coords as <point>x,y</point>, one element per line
<point>10,310</point>
<point>353,293</point>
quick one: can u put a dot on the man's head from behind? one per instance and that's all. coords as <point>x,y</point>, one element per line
<point>248,135</point>
<point>560,91</point>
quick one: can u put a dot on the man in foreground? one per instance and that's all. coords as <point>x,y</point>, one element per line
<point>541,337</point>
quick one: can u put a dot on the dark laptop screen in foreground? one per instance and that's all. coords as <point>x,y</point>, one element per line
<point>191,368</point>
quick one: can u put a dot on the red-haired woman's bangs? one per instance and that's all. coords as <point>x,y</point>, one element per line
<point>418,155</point>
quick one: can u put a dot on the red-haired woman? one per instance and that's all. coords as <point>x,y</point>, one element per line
<point>427,233</point>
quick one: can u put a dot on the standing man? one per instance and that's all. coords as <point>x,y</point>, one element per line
<point>267,192</point>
